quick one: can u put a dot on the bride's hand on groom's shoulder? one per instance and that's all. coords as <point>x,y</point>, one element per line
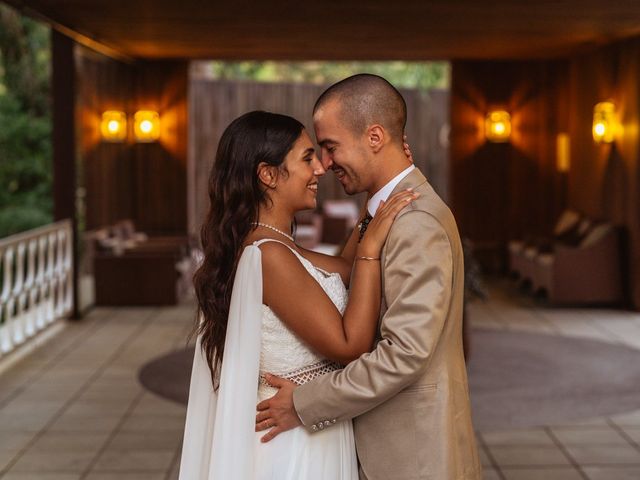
<point>379,226</point>
<point>277,414</point>
<point>407,149</point>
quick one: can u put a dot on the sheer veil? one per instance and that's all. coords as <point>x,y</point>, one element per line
<point>219,433</point>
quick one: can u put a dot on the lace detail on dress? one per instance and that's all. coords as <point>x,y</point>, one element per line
<point>283,353</point>
<point>308,373</point>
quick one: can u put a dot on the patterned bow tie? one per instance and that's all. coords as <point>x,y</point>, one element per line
<point>362,226</point>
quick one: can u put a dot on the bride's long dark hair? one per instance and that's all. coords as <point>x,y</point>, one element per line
<point>235,194</point>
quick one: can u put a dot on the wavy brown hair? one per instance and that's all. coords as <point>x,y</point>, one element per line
<point>235,194</point>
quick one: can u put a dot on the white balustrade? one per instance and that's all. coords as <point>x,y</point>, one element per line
<point>36,278</point>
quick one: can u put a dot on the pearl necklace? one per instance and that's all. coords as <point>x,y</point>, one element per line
<point>274,229</point>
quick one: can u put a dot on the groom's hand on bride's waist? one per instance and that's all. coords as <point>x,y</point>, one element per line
<point>277,414</point>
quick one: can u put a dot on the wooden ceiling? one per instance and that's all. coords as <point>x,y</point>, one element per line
<point>340,29</point>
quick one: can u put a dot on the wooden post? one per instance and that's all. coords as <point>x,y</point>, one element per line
<point>64,142</point>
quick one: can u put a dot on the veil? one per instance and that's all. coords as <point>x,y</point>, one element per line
<point>219,437</point>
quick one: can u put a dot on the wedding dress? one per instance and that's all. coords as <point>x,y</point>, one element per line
<point>219,439</point>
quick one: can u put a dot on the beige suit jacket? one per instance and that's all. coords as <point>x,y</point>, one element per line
<point>409,397</point>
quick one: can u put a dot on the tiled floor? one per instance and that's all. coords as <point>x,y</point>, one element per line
<point>595,448</point>
<point>73,409</point>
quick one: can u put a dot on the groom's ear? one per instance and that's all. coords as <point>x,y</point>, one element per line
<point>376,137</point>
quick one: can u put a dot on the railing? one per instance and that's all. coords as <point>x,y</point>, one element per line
<point>36,281</point>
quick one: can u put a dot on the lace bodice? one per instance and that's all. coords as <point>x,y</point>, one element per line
<point>283,353</point>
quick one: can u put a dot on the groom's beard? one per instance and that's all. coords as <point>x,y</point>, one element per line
<point>349,180</point>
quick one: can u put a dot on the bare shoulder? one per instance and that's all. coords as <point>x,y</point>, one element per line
<point>279,259</point>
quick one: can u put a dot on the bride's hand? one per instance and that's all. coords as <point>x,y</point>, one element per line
<point>376,234</point>
<point>407,149</point>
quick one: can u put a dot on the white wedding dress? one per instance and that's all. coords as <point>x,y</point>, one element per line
<point>219,440</point>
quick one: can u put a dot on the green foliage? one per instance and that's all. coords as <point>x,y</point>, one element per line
<point>25,124</point>
<point>421,75</point>
<point>15,219</point>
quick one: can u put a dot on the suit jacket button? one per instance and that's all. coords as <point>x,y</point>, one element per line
<point>314,427</point>
<point>321,425</point>
<point>327,423</point>
<point>333,421</point>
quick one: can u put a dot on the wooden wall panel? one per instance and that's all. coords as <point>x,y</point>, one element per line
<point>604,180</point>
<point>145,182</point>
<point>106,168</point>
<point>161,168</point>
<point>502,191</point>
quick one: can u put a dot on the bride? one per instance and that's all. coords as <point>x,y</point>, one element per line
<point>266,305</point>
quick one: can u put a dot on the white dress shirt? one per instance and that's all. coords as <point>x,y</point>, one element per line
<point>384,193</point>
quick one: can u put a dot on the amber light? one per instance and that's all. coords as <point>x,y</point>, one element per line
<point>497,126</point>
<point>146,126</point>
<point>563,152</point>
<point>113,126</point>
<point>605,123</point>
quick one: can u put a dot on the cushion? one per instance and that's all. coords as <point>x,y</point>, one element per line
<point>567,221</point>
<point>596,234</point>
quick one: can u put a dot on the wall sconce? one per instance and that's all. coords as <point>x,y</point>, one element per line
<point>563,152</point>
<point>497,126</point>
<point>146,126</point>
<point>605,124</point>
<point>113,126</point>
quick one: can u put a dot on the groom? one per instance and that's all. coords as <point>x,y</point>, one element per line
<point>408,398</point>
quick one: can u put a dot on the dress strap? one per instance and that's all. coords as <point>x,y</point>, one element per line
<point>257,243</point>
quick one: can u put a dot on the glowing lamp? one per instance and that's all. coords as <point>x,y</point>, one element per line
<point>497,126</point>
<point>563,152</point>
<point>605,125</point>
<point>146,126</point>
<point>113,126</point>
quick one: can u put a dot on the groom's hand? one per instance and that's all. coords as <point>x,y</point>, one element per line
<point>277,413</point>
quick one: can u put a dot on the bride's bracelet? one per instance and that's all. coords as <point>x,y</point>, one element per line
<point>368,258</point>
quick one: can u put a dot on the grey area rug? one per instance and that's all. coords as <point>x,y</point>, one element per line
<point>516,379</point>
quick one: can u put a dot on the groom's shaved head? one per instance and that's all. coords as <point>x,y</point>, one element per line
<point>365,100</point>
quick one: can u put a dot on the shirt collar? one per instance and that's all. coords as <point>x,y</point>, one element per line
<point>384,193</point>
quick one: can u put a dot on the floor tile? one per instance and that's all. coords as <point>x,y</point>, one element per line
<point>612,473</point>
<point>85,423</point>
<point>527,437</point>
<point>490,474</point>
<point>49,462</point>
<point>588,435</point>
<point>525,456</point>
<point>565,473</point>
<point>153,423</point>
<point>627,419</point>
<point>41,476</point>
<point>69,442</point>
<point>604,454</point>
<point>34,422</point>
<point>134,460</point>
<point>585,422</point>
<point>633,433</point>
<point>124,476</point>
<point>484,458</point>
<point>145,441</point>
<point>5,458</point>
<point>15,441</point>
